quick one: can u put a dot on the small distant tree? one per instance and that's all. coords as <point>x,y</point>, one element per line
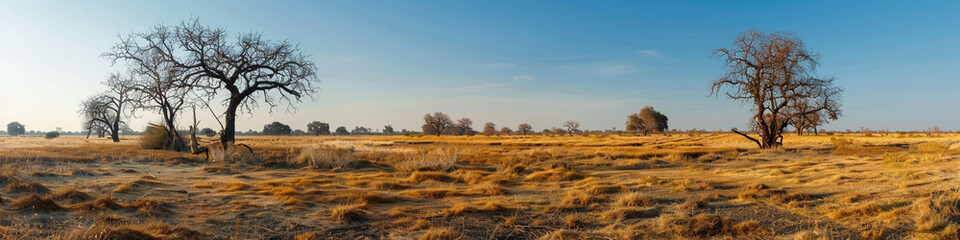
<point>16,129</point>
<point>489,128</point>
<point>388,129</point>
<point>647,121</point>
<point>360,130</point>
<point>208,132</point>
<point>342,131</point>
<point>52,135</point>
<point>572,127</point>
<point>438,122</point>
<point>506,130</point>
<point>464,126</point>
<point>276,128</point>
<point>524,128</point>
<point>318,128</point>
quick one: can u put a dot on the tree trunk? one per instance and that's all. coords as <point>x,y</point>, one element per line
<point>229,128</point>
<point>115,132</point>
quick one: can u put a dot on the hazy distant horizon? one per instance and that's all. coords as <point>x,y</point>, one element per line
<point>543,63</point>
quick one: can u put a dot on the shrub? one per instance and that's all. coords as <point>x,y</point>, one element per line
<point>233,155</point>
<point>326,157</point>
<point>156,137</point>
<point>52,135</point>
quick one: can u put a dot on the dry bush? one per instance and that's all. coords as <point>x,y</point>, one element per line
<point>692,205</point>
<point>233,154</point>
<point>348,213</point>
<point>634,199</point>
<point>648,180</point>
<point>864,210</point>
<point>605,189</point>
<point>325,157</point>
<point>36,203</point>
<point>622,213</point>
<point>155,137</point>
<point>436,159</point>
<point>578,198</point>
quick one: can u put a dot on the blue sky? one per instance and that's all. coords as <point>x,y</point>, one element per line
<point>508,62</point>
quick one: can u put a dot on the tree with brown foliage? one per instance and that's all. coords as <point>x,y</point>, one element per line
<point>489,129</point>
<point>647,121</point>
<point>524,128</point>
<point>774,72</point>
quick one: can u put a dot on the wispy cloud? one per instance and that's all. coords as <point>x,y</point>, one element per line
<point>523,78</point>
<point>605,68</point>
<point>649,53</point>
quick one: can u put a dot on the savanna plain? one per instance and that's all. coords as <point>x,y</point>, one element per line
<point>677,186</point>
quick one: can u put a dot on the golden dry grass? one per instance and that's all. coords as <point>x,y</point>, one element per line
<point>457,187</point>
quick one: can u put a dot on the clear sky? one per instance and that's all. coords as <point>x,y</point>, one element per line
<point>507,62</point>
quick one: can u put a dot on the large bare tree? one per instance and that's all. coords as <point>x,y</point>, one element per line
<point>772,72</point>
<point>245,68</point>
<point>105,109</point>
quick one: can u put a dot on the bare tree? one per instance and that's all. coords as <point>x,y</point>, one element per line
<point>207,59</point>
<point>773,72</point>
<point>107,108</point>
<point>437,122</point>
<point>805,122</point>
<point>524,128</point>
<point>572,127</point>
<point>506,130</point>
<point>464,126</point>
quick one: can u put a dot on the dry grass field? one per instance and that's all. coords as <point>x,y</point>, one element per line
<point>710,186</point>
